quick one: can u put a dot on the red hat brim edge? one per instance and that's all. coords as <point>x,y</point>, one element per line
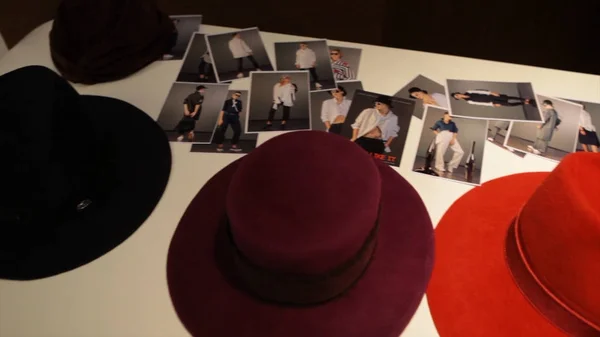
<point>380,304</point>
<point>472,291</point>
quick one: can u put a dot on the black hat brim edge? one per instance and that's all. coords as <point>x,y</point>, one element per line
<point>142,163</point>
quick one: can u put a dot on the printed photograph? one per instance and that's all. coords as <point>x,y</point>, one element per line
<point>330,108</point>
<point>236,54</point>
<point>345,62</point>
<point>185,27</point>
<point>554,137</point>
<point>451,147</point>
<point>197,62</point>
<point>426,92</point>
<point>191,111</point>
<point>312,56</point>
<point>496,135</point>
<point>589,119</point>
<point>509,101</point>
<point>229,135</point>
<point>279,100</point>
<point>379,124</point>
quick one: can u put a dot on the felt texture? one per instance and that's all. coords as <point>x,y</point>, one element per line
<point>473,291</point>
<point>61,149</point>
<point>101,41</point>
<point>305,220</point>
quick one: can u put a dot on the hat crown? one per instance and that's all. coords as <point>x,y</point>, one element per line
<point>43,146</point>
<point>98,41</point>
<point>560,231</point>
<point>304,202</point>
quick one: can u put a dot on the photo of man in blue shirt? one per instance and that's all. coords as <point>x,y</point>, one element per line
<point>446,132</point>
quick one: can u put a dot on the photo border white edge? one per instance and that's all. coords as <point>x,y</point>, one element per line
<point>250,99</point>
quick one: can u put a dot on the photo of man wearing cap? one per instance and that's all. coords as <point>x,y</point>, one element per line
<point>379,124</point>
<point>192,107</point>
<point>191,111</point>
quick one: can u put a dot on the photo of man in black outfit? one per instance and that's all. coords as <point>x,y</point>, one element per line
<point>498,101</point>
<point>230,115</point>
<point>489,98</point>
<point>192,107</point>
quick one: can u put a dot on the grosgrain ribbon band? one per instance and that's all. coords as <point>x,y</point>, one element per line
<point>558,313</point>
<point>295,289</point>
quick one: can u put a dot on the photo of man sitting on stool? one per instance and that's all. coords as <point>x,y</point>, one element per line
<point>446,132</point>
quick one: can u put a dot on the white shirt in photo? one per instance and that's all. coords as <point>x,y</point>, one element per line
<point>330,109</point>
<point>440,99</point>
<point>370,118</point>
<point>585,121</point>
<point>284,94</point>
<point>306,58</point>
<point>239,48</point>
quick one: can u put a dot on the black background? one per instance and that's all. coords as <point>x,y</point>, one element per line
<point>547,34</point>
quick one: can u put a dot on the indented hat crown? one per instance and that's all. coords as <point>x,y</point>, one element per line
<point>304,202</point>
<point>559,229</point>
<point>99,41</point>
<point>44,147</point>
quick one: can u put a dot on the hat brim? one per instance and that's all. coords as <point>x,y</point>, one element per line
<point>142,170</point>
<point>380,304</point>
<point>472,291</point>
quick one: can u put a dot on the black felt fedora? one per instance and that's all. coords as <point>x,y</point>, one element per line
<point>95,41</point>
<point>75,184</point>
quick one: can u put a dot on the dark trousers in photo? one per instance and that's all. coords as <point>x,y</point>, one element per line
<point>185,125</point>
<point>241,63</point>
<point>286,112</point>
<point>371,145</point>
<point>336,128</point>
<point>234,121</point>
<point>204,69</point>
<point>506,100</point>
<point>313,74</point>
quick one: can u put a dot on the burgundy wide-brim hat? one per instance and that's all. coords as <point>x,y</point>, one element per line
<point>305,236</point>
<point>520,256</point>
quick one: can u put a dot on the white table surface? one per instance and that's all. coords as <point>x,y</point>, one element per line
<point>124,293</point>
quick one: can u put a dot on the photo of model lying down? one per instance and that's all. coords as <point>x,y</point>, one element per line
<point>508,101</point>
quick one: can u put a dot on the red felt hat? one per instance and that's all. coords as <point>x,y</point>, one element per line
<point>520,256</point>
<point>305,236</point>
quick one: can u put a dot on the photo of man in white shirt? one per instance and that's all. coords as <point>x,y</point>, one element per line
<point>335,110</point>
<point>376,128</point>
<point>306,59</point>
<point>240,50</point>
<point>236,54</point>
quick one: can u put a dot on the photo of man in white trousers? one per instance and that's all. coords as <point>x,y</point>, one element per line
<point>446,131</point>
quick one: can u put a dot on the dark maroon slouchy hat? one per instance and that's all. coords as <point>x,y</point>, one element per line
<point>101,41</point>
